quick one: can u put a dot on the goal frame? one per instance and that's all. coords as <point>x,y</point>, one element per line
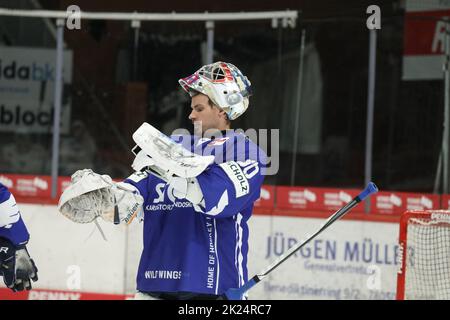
<point>431,215</point>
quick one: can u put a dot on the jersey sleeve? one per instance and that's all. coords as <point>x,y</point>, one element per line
<point>140,180</point>
<point>233,185</point>
<point>12,226</point>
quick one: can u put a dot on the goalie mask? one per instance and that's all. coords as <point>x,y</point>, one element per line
<point>224,84</point>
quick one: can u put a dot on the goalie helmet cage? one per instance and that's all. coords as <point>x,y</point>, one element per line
<point>424,255</point>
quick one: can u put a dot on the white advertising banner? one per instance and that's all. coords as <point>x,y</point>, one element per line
<point>424,39</point>
<point>27,86</point>
<point>350,260</point>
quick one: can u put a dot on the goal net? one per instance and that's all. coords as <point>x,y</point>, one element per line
<point>424,244</point>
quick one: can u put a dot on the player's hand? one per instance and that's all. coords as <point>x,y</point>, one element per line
<point>91,195</point>
<point>16,266</point>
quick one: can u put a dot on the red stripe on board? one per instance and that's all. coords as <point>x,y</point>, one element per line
<point>288,201</point>
<point>48,294</point>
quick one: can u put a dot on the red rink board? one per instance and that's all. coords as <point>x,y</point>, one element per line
<point>32,186</point>
<point>314,199</point>
<point>42,294</point>
<point>395,203</point>
<point>266,202</point>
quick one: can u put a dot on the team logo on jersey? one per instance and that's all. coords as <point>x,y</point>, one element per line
<point>160,203</point>
<point>218,141</point>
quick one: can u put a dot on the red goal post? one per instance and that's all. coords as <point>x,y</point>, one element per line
<point>424,255</point>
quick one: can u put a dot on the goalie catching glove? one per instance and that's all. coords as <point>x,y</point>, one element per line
<point>16,266</point>
<point>91,195</point>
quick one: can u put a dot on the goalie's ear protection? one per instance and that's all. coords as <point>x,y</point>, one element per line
<point>234,98</point>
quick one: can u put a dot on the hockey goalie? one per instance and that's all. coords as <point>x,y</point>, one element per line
<point>194,194</point>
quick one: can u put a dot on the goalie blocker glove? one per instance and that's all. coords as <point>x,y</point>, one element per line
<point>16,266</point>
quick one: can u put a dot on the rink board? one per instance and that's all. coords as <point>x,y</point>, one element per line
<point>353,259</point>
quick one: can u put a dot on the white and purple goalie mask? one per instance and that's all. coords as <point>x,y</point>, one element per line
<point>224,84</point>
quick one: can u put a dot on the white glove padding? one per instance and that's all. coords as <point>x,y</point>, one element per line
<point>144,162</point>
<point>163,157</point>
<point>188,189</point>
<point>91,195</point>
<point>129,204</point>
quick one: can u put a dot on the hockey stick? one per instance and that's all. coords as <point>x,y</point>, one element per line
<point>237,293</point>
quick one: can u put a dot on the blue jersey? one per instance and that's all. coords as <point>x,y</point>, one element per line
<point>201,248</point>
<point>15,232</point>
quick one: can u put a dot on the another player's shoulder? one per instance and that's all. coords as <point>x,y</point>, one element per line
<point>3,189</point>
<point>5,194</point>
